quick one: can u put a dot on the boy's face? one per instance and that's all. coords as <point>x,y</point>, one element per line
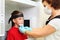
<point>19,20</point>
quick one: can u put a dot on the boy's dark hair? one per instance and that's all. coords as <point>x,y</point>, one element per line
<point>15,14</point>
<point>54,3</point>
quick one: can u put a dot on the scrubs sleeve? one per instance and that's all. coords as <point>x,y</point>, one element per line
<point>55,23</point>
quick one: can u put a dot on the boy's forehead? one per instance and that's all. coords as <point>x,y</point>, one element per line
<point>21,17</point>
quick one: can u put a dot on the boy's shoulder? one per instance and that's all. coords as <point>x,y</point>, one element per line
<point>11,30</point>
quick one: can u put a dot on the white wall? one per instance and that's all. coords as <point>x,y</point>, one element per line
<point>31,13</point>
<point>2,19</point>
<point>2,16</point>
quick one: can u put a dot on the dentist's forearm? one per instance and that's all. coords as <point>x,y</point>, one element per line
<point>31,34</point>
<point>41,32</point>
<point>34,33</point>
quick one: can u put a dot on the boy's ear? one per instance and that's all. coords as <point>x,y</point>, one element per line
<point>14,20</point>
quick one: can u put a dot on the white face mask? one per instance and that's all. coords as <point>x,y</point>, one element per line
<point>47,11</point>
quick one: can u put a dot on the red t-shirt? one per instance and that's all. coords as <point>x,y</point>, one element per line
<point>15,34</point>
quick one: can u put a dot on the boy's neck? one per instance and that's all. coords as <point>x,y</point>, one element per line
<point>16,26</point>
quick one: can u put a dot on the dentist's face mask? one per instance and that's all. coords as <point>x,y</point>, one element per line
<point>47,11</point>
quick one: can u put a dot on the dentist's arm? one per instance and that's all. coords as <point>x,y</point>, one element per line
<point>40,32</point>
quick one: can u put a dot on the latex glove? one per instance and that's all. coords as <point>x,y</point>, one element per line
<point>21,28</point>
<point>28,28</point>
<point>24,29</point>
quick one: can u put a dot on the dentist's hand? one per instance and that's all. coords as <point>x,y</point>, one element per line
<point>24,29</point>
<point>28,28</point>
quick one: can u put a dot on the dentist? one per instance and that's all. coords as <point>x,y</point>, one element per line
<point>51,31</point>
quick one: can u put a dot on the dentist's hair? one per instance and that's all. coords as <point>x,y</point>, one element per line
<point>54,3</point>
<point>15,14</point>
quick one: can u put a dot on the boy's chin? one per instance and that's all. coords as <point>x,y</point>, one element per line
<point>21,24</point>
